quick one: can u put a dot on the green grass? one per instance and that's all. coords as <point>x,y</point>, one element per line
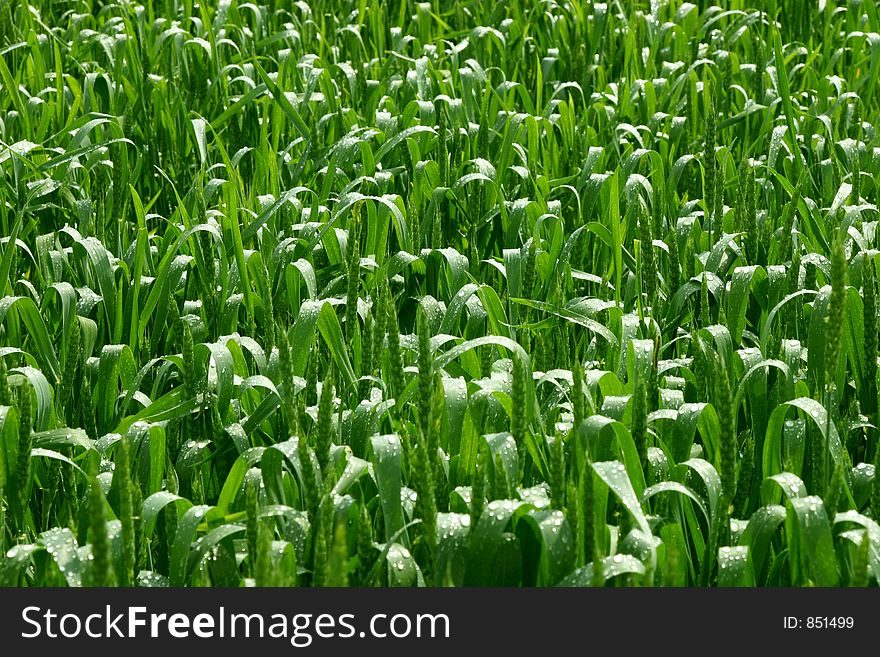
<point>384,293</point>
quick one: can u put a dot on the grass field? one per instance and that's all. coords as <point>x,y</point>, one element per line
<point>450,293</point>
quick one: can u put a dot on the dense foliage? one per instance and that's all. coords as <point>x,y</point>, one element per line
<point>383,292</point>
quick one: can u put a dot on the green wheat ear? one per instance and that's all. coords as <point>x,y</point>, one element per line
<point>71,365</point>
<point>500,486</point>
<point>832,496</point>
<point>748,221</point>
<point>718,210</point>
<point>856,174</point>
<point>426,371</point>
<point>7,32</point>
<point>578,405</point>
<point>5,389</point>
<point>173,324</point>
<point>639,422</point>
<point>557,472</point>
<point>252,519</point>
<point>395,359</point>
<point>709,163</point>
<point>3,481</point>
<point>674,260</point>
<point>792,282</point>
<point>869,396</point>
<point>435,456</point>
<point>264,574</point>
<point>311,492</point>
<point>437,225</point>
<point>365,548</point>
<point>23,466</point>
<point>87,414</point>
<point>268,308</point>
<point>2,513</point>
<point>486,360</point>
<point>875,489</point>
<point>518,401</point>
<point>572,506</point>
<point>658,211</point>
<point>861,560</point>
<point>648,263</point>
<point>380,329</point>
<point>598,574</point>
<point>739,210</point>
<point>288,396</point>
<point>653,388</point>
<point>367,364</point>
<point>188,353</point>
<point>478,487</point>
<point>529,275</point>
<point>705,319</point>
<point>588,519</point>
<point>690,258</point>
<point>126,513</point>
<point>319,549</point>
<point>100,572</point>
<point>700,365</point>
<point>352,274</point>
<point>744,477</point>
<point>528,284</point>
<point>672,565</point>
<point>137,505</point>
<point>324,429</point>
<point>426,502</point>
<point>727,438</point>
<point>760,71</point>
<point>834,318</point>
<point>3,471</point>
<point>337,566</point>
